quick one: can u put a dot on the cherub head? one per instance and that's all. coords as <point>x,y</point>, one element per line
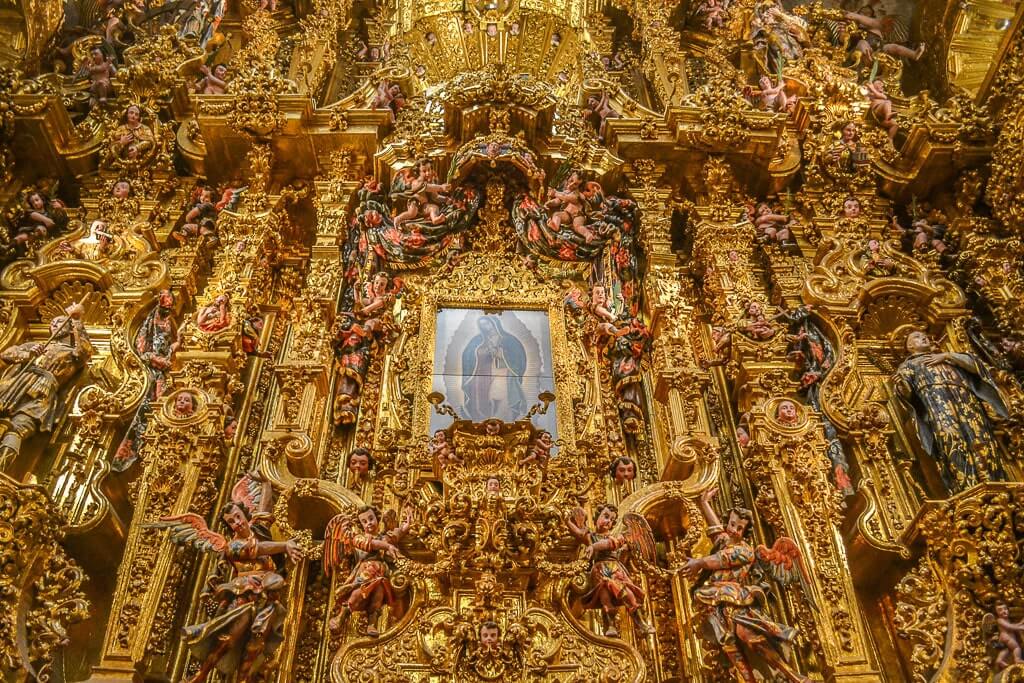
<point>622,469</point>
<point>765,82</point>
<point>492,426</point>
<point>851,207</point>
<point>544,439</point>
<point>786,412</point>
<point>36,201</point>
<point>122,190</point>
<point>605,516</point>
<point>490,635</point>
<point>220,71</point>
<point>359,461</point>
<point>97,55</point>
<point>492,485</point>
<point>184,404</point>
<point>369,519</point>
<point>1002,611</point>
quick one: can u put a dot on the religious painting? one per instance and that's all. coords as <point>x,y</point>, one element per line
<point>493,364</point>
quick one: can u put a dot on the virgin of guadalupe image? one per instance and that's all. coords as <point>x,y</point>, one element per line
<point>493,364</point>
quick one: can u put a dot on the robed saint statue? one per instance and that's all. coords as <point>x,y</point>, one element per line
<point>946,394</point>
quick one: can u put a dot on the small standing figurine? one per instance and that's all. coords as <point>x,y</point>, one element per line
<point>729,592</point>
<point>133,138</point>
<point>881,107</point>
<point>246,628</point>
<point>359,546</point>
<point>947,395</point>
<point>607,548</point>
<point>755,325</point>
<point>540,449</point>
<point>32,386</point>
<point>626,341</point>
<point>809,348</point>
<point>622,469</point>
<point>100,70</point>
<point>155,343</point>
<point>353,346</point>
<point>213,82</point>
<point>1007,638</point>
<point>442,451</point>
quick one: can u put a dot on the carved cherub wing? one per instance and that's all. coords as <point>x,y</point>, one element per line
<point>338,541</point>
<point>785,564</point>
<point>190,529</point>
<point>249,492</point>
<point>637,532</point>
<point>988,625</point>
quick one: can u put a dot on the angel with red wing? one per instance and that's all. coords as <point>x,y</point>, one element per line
<point>358,543</point>
<point>246,627</point>
<point>730,594</point>
<point>608,548</point>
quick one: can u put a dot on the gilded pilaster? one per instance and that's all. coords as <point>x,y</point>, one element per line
<point>786,461</point>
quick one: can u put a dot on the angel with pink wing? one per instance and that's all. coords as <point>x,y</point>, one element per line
<point>608,548</point>
<point>245,629</point>
<point>358,544</point>
<point>731,595</point>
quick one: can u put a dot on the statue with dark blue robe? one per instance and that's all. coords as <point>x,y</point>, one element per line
<point>947,394</point>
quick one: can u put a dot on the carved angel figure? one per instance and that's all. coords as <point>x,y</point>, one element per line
<point>245,629</point>
<point>731,593</point>
<point>607,547</point>
<point>1005,636</point>
<point>539,451</point>
<point>357,544</point>
<point>442,450</point>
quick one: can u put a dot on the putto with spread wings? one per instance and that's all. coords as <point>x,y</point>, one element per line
<point>247,588</point>
<point>363,544</point>
<point>730,590</point>
<point>608,547</point>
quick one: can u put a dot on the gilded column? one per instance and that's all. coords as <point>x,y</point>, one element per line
<point>787,463</point>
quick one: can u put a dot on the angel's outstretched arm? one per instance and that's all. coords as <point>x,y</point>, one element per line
<point>576,529</point>
<point>291,548</point>
<point>710,516</point>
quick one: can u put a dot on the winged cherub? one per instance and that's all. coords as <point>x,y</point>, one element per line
<point>730,593</point>
<point>357,543</point>
<point>245,628</point>
<point>608,548</point>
